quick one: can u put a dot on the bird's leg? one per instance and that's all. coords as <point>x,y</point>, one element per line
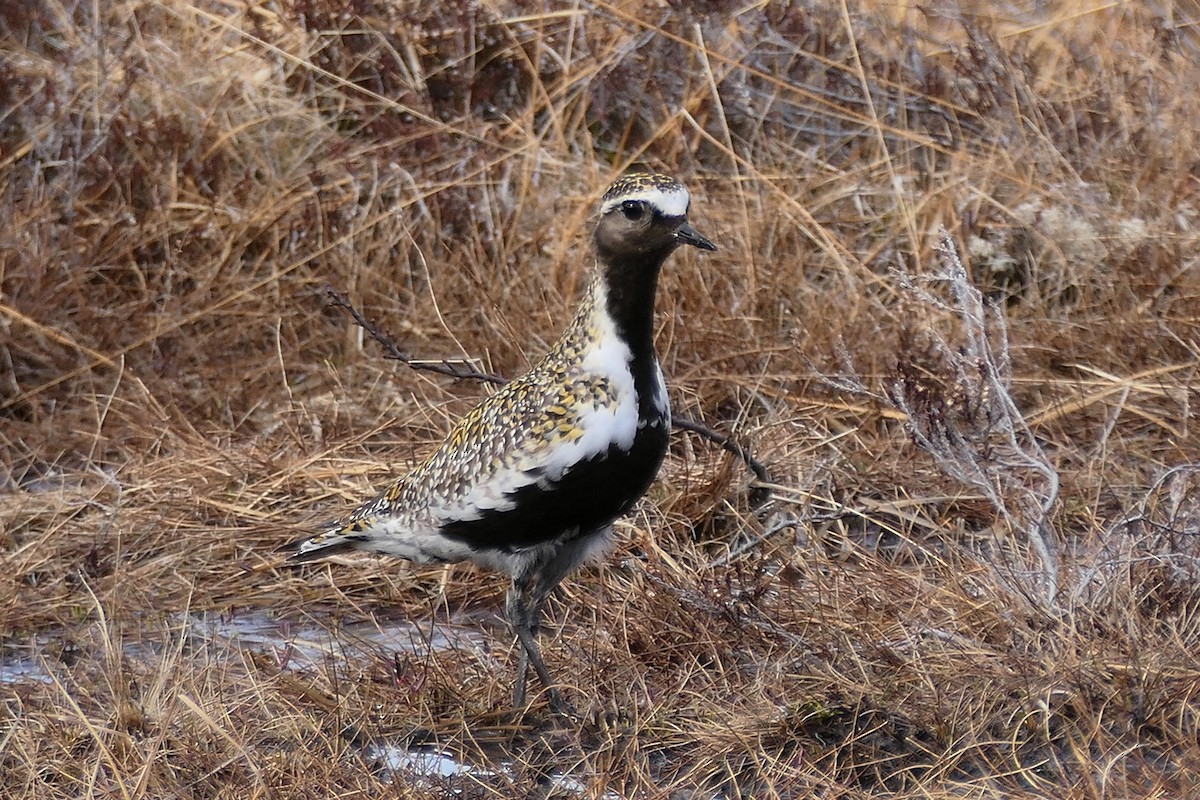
<point>523,607</point>
<point>516,610</point>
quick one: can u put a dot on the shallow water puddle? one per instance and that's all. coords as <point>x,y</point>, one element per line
<point>23,671</point>
<point>307,646</point>
<point>445,770</point>
<point>215,637</point>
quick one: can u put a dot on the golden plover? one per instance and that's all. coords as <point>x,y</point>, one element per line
<point>530,481</point>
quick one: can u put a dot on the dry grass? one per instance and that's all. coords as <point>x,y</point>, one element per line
<point>180,180</point>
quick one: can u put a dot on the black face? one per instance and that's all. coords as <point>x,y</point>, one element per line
<point>633,239</point>
<point>637,229</point>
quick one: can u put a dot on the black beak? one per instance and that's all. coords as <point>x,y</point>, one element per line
<point>686,234</point>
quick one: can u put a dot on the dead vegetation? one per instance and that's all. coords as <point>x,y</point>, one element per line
<point>977,574</point>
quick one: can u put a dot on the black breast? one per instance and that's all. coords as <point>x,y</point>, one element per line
<point>586,498</point>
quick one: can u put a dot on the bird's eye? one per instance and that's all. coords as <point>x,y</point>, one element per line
<point>633,209</point>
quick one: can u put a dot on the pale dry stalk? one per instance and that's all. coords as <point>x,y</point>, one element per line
<point>959,409</point>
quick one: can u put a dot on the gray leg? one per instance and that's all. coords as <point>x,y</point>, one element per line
<point>523,607</point>
<point>517,612</point>
<point>524,610</point>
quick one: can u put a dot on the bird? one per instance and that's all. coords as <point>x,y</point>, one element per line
<point>530,482</point>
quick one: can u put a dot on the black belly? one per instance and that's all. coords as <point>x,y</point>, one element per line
<point>586,498</point>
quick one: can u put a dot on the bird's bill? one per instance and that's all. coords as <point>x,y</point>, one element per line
<point>686,234</point>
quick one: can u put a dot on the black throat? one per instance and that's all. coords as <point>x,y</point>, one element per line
<point>631,283</point>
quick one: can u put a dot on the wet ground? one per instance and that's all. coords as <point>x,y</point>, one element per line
<point>300,648</point>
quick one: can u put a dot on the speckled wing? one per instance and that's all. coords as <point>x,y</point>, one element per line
<point>515,447</point>
<point>531,432</point>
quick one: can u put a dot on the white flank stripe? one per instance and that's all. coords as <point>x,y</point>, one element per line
<point>671,203</point>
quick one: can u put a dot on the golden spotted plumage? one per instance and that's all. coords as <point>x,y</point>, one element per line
<point>511,429</point>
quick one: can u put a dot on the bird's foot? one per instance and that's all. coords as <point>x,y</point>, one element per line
<point>557,704</point>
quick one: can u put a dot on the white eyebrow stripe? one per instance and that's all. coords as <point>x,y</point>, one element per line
<point>670,203</point>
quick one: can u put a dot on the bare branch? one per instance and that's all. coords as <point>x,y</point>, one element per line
<point>454,369</point>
